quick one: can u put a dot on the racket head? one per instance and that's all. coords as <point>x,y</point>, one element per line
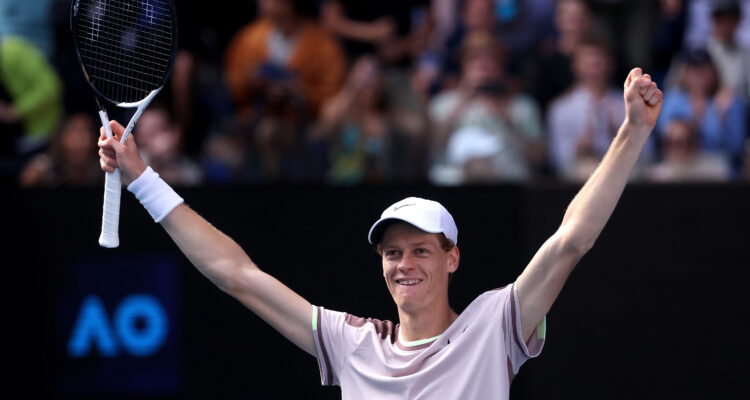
<point>126,48</point>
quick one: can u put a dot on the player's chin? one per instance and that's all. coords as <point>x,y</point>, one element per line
<point>406,304</point>
<point>405,295</point>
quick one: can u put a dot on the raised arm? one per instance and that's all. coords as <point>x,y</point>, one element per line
<point>541,281</point>
<point>218,257</point>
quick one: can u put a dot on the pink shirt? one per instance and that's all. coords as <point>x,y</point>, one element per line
<point>477,357</point>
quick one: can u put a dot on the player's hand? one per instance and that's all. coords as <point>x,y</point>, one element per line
<point>113,154</point>
<point>643,101</point>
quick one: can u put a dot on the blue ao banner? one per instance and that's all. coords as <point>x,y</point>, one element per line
<point>117,324</point>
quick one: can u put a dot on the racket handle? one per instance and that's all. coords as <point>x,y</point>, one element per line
<point>111,217</point>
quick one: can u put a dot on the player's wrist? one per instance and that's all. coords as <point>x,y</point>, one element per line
<point>634,127</point>
<point>155,195</point>
<point>131,176</point>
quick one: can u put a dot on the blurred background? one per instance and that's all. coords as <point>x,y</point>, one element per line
<point>291,124</point>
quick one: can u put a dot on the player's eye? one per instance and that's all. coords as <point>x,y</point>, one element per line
<point>391,254</point>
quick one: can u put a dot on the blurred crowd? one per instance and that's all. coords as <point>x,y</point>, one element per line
<point>348,92</point>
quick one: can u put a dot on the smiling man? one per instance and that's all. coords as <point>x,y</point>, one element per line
<point>433,353</point>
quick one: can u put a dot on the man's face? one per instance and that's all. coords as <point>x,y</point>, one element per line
<point>572,18</point>
<point>592,64</point>
<point>699,78</point>
<point>276,10</point>
<point>155,135</point>
<point>415,267</point>
<point>724,27</point>
<point>679,142</point>
<point>479,15</point>
<point>76,140</point>
<point>481,66</point>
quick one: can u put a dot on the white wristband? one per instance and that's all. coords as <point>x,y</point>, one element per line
<point>157,197</point>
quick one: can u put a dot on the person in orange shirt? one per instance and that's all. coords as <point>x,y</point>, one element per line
<point>283,62</point>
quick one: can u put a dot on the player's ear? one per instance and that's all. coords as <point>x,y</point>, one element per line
<point>454,256</point>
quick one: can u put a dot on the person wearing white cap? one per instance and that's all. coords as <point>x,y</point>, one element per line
<point>433,352</point>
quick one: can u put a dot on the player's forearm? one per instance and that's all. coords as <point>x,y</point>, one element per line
<point>541,282</point>
<point>221,259</point>
<point>213,253</point>
<point>593,205</point>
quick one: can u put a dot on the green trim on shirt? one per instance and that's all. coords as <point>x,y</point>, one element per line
<point>417,342</point>
<point>541,329</point>
<point>315,318</point>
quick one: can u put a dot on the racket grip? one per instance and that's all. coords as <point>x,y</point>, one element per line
<point>111,217</point>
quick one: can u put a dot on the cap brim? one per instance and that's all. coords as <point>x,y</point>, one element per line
<point>378,228</point>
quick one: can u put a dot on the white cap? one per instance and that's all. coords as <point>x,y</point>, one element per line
<point>472,142</point>
<point>427,215</point>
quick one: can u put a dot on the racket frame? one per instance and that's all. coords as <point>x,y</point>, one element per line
<point>109,236</point>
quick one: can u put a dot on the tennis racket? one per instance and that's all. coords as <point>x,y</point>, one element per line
<point>126,49</point>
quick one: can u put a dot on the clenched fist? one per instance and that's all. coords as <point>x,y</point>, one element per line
<point>643,101</point>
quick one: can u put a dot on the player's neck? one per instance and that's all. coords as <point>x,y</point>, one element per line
<point>425,324</point>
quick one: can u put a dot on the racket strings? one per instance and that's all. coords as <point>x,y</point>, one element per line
<point>125,46</point>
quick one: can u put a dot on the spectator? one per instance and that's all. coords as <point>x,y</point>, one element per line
<point>281,68</point>
<point>732,61</point>
<point>282,63</point>
<point>32,108</point>
<point>70,160</point>
<point>398,34</point>
<point>160,141</point>
<point>582,122</point>
<point>698,24</point>
<point>549,74</point>
<point>519,25</point>
<point>476,16</point>
<point>684,160</point>
<point>719,114</point>
<point>485,101</point>
<point>370,141</point>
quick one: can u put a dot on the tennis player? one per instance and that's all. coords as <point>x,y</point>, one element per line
<point>433,353</point>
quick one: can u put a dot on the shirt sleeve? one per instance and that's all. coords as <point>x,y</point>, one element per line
<point>518,350</point>
<point>335,340</point>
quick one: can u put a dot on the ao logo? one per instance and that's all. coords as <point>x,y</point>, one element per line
<point>139,326</point>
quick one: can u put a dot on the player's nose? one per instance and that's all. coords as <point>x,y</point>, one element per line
<point>406,262</point>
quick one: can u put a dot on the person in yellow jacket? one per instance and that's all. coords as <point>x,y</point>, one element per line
<point>34,92</point>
